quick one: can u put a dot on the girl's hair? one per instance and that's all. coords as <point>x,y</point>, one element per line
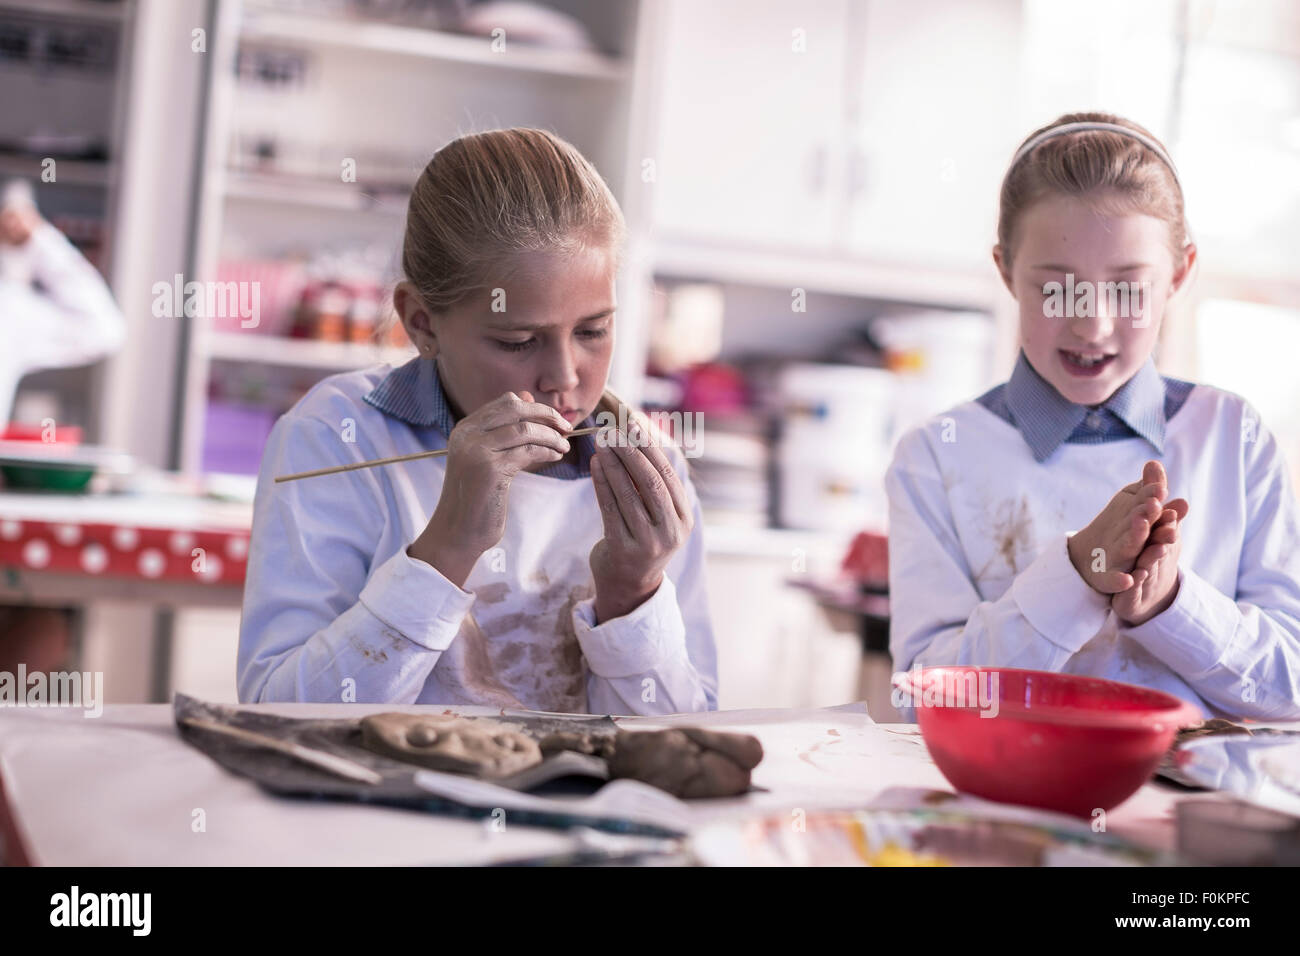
<point>487,197</point>
<point>1115,171</point>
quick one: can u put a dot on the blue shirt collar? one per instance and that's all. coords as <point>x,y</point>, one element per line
<point>1046,418</point>
<point>413,394</point>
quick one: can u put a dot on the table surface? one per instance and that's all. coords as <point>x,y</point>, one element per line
<point>123,788</point>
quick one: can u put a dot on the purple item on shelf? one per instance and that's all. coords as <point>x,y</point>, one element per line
<point>234,436</point>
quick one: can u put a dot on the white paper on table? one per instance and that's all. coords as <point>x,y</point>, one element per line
<point>617,800</point>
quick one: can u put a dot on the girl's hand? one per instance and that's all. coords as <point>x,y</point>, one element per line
<point>1155,575</point>
<point>486,449</point>
<point>1120,532</point>
<point>647,517</point>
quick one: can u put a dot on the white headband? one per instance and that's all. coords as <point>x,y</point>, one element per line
<point>1142,138</point>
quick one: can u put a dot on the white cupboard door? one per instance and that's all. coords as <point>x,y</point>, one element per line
<point>750,121</point>
<point>938,122</point>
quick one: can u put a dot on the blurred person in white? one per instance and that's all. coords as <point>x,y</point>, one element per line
<point>55,312</point>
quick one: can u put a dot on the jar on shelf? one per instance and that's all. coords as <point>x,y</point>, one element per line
<point>304,316</point>
<point>363,313</point>
<point>332,313</point>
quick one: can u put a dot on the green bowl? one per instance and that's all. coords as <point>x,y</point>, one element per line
<point>47,477</point>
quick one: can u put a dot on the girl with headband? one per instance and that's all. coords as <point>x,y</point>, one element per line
<point>1089,515</point>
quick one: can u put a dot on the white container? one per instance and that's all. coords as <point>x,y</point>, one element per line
<point>836,442</point>
<point>955,353</point>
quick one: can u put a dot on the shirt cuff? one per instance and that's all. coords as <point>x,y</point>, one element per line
<point>1184,636</point>
<point>637,642</point>
<point>1057,602</point>
<point>416,599</point>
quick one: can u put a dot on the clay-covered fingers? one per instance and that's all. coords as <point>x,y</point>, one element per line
<point>1168,526</point>
<point>1148,504</point>
<point>1151,493</point>
<point>631,505</point>
<point>1165,531</point>
<point>1148,562</point>
<point>1163,543</point>
<point>511,408</point>
<point>522,433</point>
<point>1112,582</point>
<point>526,432</point>
<point>672,482</point>
<point>1153,483</point>
<point>1150,498</point>
<point>661,490</point>
<point>610,513</point>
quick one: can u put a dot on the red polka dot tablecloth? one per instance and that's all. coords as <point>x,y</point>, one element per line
<point>216,556</point>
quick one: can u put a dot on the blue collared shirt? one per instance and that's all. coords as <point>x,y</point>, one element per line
<point>1142,406</point>
<point>981,507</point>
<point>414,394</point>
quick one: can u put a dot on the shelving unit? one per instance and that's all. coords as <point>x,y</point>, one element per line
<point>301,353</point>
<point>427,44</point>
<point>72,172</point>
<point>365,85</point>
<point>284,190</point>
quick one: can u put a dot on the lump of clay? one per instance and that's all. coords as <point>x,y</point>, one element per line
<point>1213,727</point>
<point>687,762</point>
<point>484,748</point>
<point>598,745</point>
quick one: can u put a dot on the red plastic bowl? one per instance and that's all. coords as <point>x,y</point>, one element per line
<point>1057,741</point>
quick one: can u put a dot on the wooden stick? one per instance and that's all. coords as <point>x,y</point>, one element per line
<point>390,461</point>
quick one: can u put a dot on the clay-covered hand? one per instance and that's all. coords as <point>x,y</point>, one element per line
<point>486,449</point>
<point>687,762</point>
<point>1104,552</point>
<point>646,515</point>
<point>1155,576</point>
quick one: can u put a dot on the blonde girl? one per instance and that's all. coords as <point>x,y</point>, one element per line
<point>524,569</point>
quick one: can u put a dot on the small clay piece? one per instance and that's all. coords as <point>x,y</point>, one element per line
<point>598,745</point>
<point>484,748</point>
<point>687,762</point>
<point>1213,727</point>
